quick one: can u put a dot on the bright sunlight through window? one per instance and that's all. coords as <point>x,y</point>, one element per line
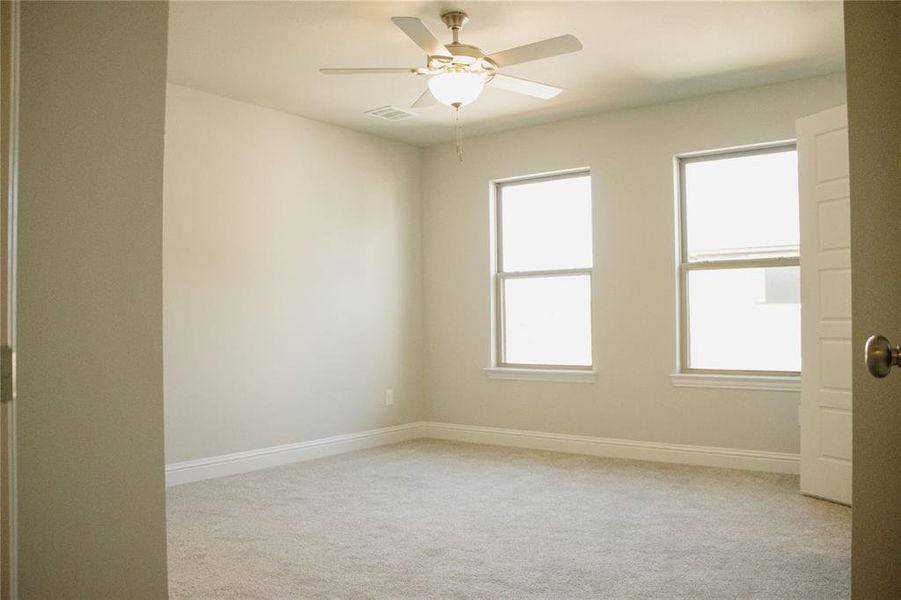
<point>740,274</point>
<point>543,277</point>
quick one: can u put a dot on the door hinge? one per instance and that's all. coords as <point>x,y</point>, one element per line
<point>7,368</point>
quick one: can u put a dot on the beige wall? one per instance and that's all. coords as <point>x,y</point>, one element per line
<point>630,154</point>
<point>276,227</point>
<point>292,278</point>
<point>91,513</point>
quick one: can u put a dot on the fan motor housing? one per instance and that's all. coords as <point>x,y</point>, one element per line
<point>465,56</point>
<point>464,53</point>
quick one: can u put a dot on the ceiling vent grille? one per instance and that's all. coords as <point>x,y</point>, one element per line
<point>390,113</point>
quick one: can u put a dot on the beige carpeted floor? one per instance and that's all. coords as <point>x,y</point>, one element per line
<point>429,519</point>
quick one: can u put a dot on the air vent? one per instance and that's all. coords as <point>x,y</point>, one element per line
<point>390,113</point>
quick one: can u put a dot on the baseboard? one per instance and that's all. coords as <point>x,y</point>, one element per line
<point>729,458</point>
<point>707,456</point>
<point>252,460</point>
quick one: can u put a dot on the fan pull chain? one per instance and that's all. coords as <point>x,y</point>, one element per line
<point>459,124</point>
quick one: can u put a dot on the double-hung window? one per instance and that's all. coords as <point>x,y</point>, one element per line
<point>739,268</point>
<point>542,279</point>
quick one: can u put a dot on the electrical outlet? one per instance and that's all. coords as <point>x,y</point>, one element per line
<point>389,397</point>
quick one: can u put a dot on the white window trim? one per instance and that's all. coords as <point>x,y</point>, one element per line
<point>542,374</point>
<point>685,376</point>
<point>770,383</point>
<point>528,372</point>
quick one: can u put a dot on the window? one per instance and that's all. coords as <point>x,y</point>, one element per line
<point>543,272</point>
<point>739,266</point>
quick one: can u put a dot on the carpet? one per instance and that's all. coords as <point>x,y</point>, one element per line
<point>434,519</point>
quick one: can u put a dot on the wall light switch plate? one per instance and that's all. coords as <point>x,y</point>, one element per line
<point>389,397</point>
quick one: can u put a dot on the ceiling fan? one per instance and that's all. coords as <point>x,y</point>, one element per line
<point>458,72</point>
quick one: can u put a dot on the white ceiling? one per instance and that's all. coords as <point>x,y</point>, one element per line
<point>634,53</point>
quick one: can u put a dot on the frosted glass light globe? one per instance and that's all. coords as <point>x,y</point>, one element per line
<point>456,88</point>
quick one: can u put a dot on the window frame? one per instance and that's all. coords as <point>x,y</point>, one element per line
<point>499,276</point>
<point>684,266</point>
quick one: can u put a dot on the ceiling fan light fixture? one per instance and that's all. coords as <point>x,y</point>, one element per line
<point>459,72</point>
<point>456,88</point>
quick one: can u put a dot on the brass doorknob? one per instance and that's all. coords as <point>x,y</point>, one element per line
<point>881,356</point>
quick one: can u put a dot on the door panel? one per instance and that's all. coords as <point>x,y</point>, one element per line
<point>90,489</point>
<point>8,66</point>
<point>835,439</point>
<point>835,228</point>
<point>826,306</point>
<point>873,56</point>
<point>835,294</point>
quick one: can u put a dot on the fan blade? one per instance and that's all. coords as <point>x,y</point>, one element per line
<point>524,86</point>
<point>420,34</point>
<point>367,71</point>
<point>563,44</point>
<point>425,99</point>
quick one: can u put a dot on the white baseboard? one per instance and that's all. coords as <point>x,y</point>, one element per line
<point>707,456</point>
<point>264,458</point>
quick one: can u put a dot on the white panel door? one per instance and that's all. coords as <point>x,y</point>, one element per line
<point>825,305</point>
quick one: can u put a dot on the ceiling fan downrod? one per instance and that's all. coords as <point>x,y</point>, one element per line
<point>455,20</point>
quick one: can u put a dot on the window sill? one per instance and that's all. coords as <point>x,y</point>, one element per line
<point>770,383</point>
<point>560,375</point>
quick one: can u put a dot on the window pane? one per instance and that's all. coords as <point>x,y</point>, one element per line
<point>740,206</point>
<point>546,224</point>
<point>547,320</point>
<point>745,319</point>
